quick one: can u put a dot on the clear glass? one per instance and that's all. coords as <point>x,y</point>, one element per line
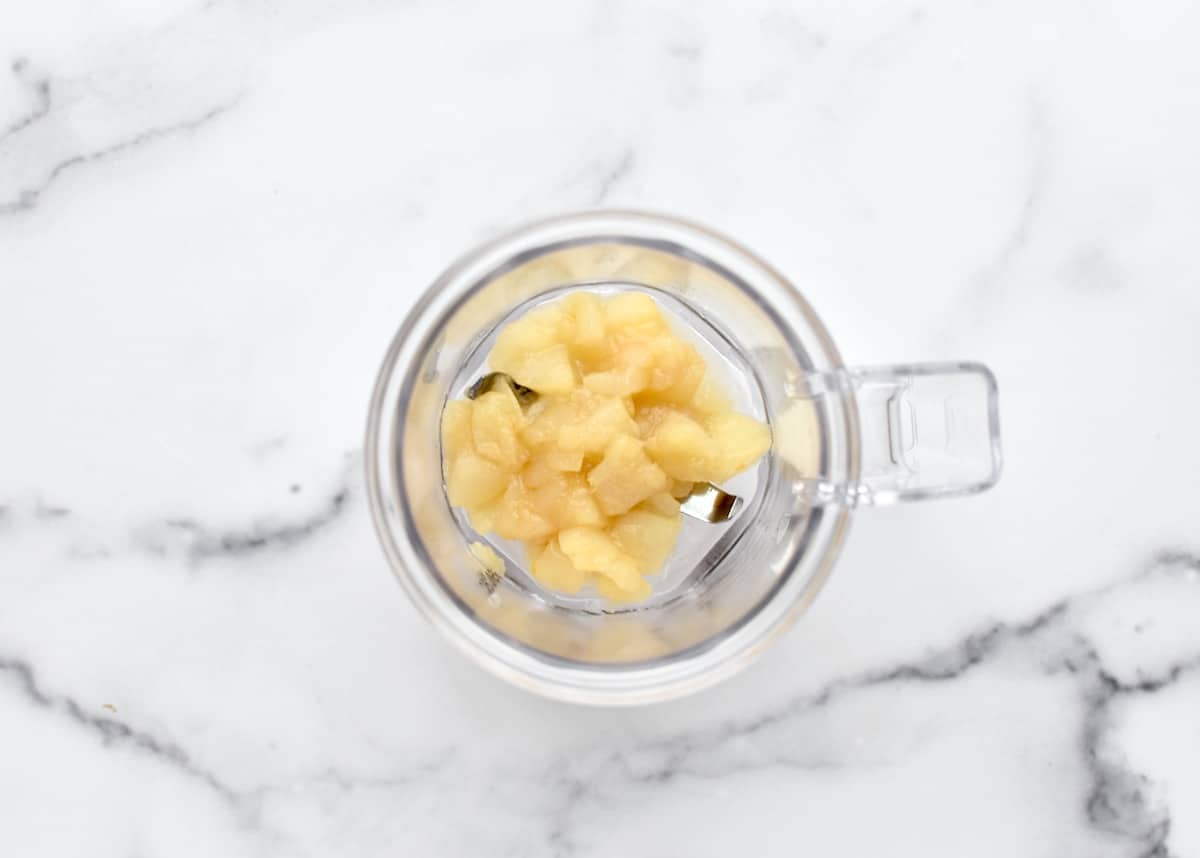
<point>840,438</point>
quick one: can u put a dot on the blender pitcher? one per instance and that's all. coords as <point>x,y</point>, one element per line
<point>841,438</point>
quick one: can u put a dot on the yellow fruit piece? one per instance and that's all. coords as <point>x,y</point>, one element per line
<point>592,550</point>
<point>473,481</point>
<point>496,423</point>
<point>533,351</point>
<point>550,372</point>
<point>709,400</point>
<point>683,449</point>
<point>681,488</point>
<point>516,516</point>
<point>625,476</point>
<point>589,474</point>
<point>679,370</point>
<point>662,504</point>
<point>538,473</point>
<point>739,440</point>
<point>621,381</point>
<point>562,460</point>
<point>614,593</point>
<point>647,537</point>
<point>456,428</point>
<point>544,327</point>
<point>597,422</point>
<point>554,569</point>
<point>628,312</point>
<point>566,500</point>
<point>589,337</point>
<point>483,517</point>
<point>648,417</point>
<point>584,422</point>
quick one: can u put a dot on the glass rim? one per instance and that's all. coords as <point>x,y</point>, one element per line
<point>607,684</point>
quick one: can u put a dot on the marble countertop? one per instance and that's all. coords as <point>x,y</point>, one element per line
<point>213,215</point>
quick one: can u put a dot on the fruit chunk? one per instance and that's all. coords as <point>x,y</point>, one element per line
<point>610,590</point>
<point>589,340</point>
<point>625,476</point>
<point>739,440</point>
<point>474,481</point>
<point>565,500</point>
<point>708,400</point>
<point>496,421</point>
<point>589,471</point>
<point>662,504</point>
<point>582,423</point>
<point>677,374</point>
<point>592,550</point>
<point>550,566</point>
<point>620,381</point>
<point>533,351</point>
<point>538,330</point>
<point>630,312</point>
<point>483,517</point>
<point>456,428</point>
<point>517,517</point>
<point>682,448</point>
<point>680,489</point>
<point>647,537</point>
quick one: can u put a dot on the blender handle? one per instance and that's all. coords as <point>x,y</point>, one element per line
<point>924,430</point>
<point>927,430</point>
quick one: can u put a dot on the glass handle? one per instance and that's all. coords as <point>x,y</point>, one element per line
<point>928,430</point>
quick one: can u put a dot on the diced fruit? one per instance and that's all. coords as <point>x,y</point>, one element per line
<point>483,518</point>
<point>681,447</point>
<point>598,421</point>
<point>583,422</point>
<point>538,473</point>
<point>588,473</point>
<point>647,537</point>
<point>566,501</point>
<point>548,371</point>
<point>628,311</point>
<point>708,400</point>
<point>622,381</point>
<point>518,518</point>
<point>680,370</point>
<point>662,504</point>
<point>636,354</point>
<point>496,421</point>
<point>562,460</point>
<point>541,329</point>
<point>649,416</point>
<point>473,481</point>
<point>740,441</point>
<point>456,428</point>
<point>590,342</point>
<point>625,476</point>
<point>611,591</point>
<point>550,566</point>
<point>681,488</point>
<point>669,357</point>
<point>592,550</point>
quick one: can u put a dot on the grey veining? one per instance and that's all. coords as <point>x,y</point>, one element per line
<point>111,730</point>
<point>29,196</point>
<point>217,217</point>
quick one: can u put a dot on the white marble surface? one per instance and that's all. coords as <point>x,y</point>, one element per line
<point>214,214</point>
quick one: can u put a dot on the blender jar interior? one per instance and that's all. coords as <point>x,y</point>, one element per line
<point>729,587</point>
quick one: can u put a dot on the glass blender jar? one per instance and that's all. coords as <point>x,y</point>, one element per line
<point>841,438</point>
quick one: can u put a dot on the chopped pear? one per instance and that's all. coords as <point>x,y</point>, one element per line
<point>625,476</point>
